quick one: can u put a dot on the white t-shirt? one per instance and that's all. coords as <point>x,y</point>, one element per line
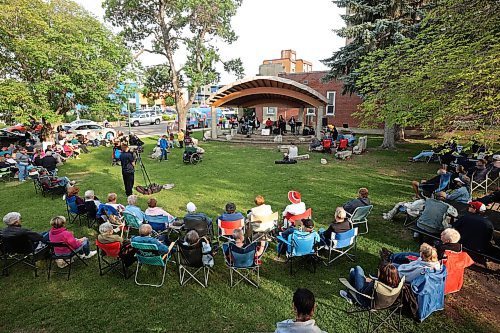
<point>295,209</point>
<point>293,152</point>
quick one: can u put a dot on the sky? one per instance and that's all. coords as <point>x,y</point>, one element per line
<point>265,27</point>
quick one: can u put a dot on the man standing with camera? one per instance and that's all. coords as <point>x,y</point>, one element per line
<point>127,160</point>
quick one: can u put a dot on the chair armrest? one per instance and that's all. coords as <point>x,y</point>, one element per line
<point>170,247</point>
<point>280,238</point>
<point>351,288</point>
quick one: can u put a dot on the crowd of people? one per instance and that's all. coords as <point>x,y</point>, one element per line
<point>436,212</point>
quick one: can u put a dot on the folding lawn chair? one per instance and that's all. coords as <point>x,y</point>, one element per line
<point>190,263</point>
<point>360,216</point>
<point>110,214</point>
<point>131,222</point>
<point>226,228</point>
<point>5,174</point>
<point>159,223</point>
<point>147,254</point>
<point>199,224</point>
<point>75,212</point>
<point>17,250</point>
<point>264,226</point>
<point>340,244</point>
<point>428,288</point>
<point>385,306</point>
<point>109,259</point>
<point>327,145</point>
<point>301,244</point>
<point>242,263</point>
<point>481,181</point>
<point>67,258</point>
<point>456,263</point>
<point>91,210</point>
<point>294,218</point>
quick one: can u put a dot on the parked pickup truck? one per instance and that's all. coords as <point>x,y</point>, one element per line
<point>144,118</point>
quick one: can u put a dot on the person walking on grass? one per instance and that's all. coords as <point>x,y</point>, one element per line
<point>163,148</point>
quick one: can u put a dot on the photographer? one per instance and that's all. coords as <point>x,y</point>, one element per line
<point>127,160</point>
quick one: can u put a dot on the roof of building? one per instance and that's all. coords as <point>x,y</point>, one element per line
<point>257,90</point>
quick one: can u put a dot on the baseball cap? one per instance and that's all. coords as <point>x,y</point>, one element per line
<point>478,206</point>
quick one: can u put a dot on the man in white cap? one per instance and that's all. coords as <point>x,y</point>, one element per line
<point>192,214</point>
<point>460,193</point>
<point>296,207</point>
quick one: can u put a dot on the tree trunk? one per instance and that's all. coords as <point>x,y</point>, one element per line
<point>389,137</point>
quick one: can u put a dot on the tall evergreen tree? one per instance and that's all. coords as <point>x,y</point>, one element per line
<point>371,25</point>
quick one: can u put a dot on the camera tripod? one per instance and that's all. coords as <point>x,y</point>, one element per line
<point>143,170</point>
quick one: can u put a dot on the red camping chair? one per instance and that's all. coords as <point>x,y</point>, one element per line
<point>226,228</point>
<point>327,145</point>
<point>456,263</point>
<point>111,251</point>
<point>291,219</point>
<point>343,143</point>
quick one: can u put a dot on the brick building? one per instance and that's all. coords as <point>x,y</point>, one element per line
<point>338,111</point>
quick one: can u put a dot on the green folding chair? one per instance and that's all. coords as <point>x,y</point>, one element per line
<point>147,254</point>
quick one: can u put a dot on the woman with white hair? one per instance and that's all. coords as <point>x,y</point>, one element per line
<point>340,224</point>
<point>90,196</point>
<point>133,209</point>
<point>106,235</point>
<point>13,228</point>
<point>449,241</point>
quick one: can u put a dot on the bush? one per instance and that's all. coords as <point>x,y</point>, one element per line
<point>167,117</point>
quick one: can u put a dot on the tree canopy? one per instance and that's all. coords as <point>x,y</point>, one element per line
<point>53,56</point>
<point>446,76</point>
<point>176,27</point>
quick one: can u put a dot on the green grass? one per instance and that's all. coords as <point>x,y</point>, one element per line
<point>235,173</point>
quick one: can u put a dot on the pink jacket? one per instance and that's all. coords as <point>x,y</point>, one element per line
<point>62,235</point>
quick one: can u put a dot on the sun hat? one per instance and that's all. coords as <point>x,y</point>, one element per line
<point>294,197</point>
<point>190,207</point>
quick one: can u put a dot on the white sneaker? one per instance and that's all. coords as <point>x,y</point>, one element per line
<point>90,255</point>
<point>345,296</point>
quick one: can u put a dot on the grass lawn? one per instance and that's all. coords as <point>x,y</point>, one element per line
<point>91,303</point>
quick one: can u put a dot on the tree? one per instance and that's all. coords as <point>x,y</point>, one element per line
<point>445,78</point>
<point>371,25</point>
<point>176,27</point>
<point>53,56</point>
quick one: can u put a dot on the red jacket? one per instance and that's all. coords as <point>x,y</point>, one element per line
<point>62,235</point>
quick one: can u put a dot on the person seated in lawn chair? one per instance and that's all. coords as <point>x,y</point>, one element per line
<point>49,181</point>
<point>412,264</point>
<point>145,231</point>
<point>476,230</point>
<point>133,209</point>
<point>361,201</point>
<point>59,234</point>
<point>106,236</point>
<point>111,210</point>
<point>73,193</point>
<point>304,306</point>
<point>296,207</point>
<point>307,226</point>
<point>231,214</point>
<point>154,210</point>
<point>387,274</point>
<point>339,225</point>
<point>436,215</point>
<point>260,209</point>
<point>449,242</point>
<point>460,193</point>
<point>428,185</point>
<point>194,215</point>
<point>241,245</point>
<point>192,238</point>
<point>13,228</point>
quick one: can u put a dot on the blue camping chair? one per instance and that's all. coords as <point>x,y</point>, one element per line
<point>429,289</point>
<point>159,223</point>
<point>75,212</point>
<point>109,213</point>
<point>147,254</point>
<point>301,244</point>
<point>444,182</point>
<point>340,244</point>
<point>242,263</point>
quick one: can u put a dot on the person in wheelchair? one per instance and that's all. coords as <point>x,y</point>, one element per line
<point>192,153</point>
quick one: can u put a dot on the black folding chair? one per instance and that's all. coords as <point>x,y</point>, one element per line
<point>198,224</point>
<point>190,263</point>
<point>68,258</point>
<point>91,211</point>
<point>20,249</point>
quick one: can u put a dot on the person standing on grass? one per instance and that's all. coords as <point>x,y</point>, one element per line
<point>163,147</point>
<point>304,307</point>
<point>127,160</point>
<point>180,138</point>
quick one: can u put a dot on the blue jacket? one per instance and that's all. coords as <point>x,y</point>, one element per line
<point>163,143</point>
<point>429,289</point>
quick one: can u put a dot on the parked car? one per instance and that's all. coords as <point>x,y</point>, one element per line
<point>7,137</point>
<point>144,118</point>
<point>92,130</point>
<point>81,122</point>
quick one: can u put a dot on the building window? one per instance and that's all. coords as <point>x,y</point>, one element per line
<point>269,110</point>
<point>330,108</point>
<point>311,112</point>
<point>305,82</point>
